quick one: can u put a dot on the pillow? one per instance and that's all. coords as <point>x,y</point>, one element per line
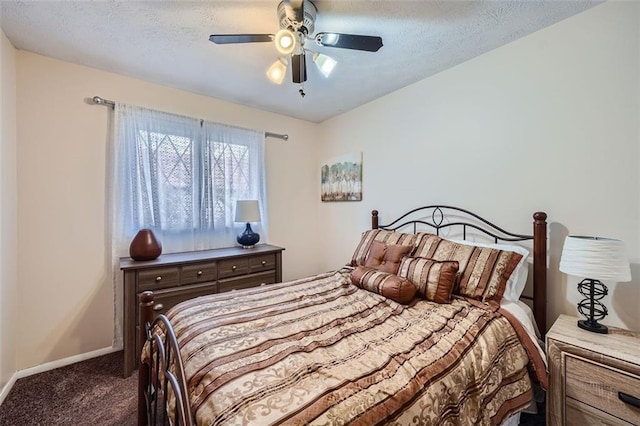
<point>386,257</point>
<point>384,236</point>
<point>388,285</point>
<point>434,279</point>
<point>483,271</point>
<point>518,279</point>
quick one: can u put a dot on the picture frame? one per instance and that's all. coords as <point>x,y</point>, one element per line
<point>341,178</point>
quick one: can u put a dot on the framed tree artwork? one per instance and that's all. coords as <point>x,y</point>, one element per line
<point>341,178</point>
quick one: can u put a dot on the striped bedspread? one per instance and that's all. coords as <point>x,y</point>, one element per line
<point>321,351</point>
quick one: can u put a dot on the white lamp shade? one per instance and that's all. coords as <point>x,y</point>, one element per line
<point>597,258</point>
<point>277,71</point>
<point>247,211</point>
<point>285,41</point>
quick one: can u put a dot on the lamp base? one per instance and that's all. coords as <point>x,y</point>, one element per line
<point>593,326</point>
<point>248,239</point>
<point>591,308</point>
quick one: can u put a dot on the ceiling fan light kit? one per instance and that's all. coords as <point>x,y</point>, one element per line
<point>297,24</point>
<point>277,71</point>
<point>285,41</point>
<point>325,63</point>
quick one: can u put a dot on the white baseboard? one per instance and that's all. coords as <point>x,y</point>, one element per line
<point>52,365</point>
<point>63,362</point>
<point>7,387</point>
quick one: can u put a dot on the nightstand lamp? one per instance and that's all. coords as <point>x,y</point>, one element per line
<point>248,211</point>
<point>599,259</point>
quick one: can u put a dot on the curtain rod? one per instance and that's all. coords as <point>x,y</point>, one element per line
<point>97,100</point>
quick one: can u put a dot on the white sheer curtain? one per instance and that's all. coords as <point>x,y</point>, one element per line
<point>180,177</point>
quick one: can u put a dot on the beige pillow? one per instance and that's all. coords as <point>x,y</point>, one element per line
<point>386,257</point>
<point>388,285</point>
<point>482,273</point>
<point>434,279</point>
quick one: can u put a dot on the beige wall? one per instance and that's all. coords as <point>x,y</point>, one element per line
<point>8,210</point>
<point>65,295</point>
<point>548,122</point>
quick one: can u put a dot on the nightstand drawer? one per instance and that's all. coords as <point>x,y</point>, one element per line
<point>580,414</point>
<point>262,263</point>
<point>150,279</point>
<point>233,267</point>
<point>198,273</point>
<point>598,385</point>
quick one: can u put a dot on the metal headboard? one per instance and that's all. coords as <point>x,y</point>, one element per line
<point>439,217</point>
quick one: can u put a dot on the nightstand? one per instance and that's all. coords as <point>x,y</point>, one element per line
<point>594,379</point>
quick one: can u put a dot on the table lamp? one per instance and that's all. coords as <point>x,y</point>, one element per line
<point>248,211</point>
<point>599,259</point>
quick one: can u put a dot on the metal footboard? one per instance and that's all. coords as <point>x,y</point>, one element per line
<point>162,387</point>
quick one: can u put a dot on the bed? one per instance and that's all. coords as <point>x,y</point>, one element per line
<point>415,329</point>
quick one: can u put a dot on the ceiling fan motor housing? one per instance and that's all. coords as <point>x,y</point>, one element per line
<point>287,17</point>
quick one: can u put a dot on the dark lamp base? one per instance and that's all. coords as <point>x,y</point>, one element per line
<point>593,326</point>
<point>248,239</point>
<point>590,307</point>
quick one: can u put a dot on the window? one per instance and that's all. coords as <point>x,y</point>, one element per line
<point>181,177</point>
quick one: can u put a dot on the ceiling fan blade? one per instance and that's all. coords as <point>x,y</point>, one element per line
<point>240,38</point>
<point>299,68</point>
<point>350,41</point>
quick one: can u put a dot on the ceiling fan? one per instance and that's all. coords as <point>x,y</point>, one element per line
<point>297,22</point>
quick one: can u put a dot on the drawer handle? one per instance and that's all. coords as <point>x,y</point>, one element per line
<point>233,268</point>
<point>199,273</point>
<point>158,307</point>
<point>628,399</point>
<point>158,278</point>
<point>264,262</point>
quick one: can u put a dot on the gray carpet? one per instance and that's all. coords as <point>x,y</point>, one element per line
<point>93,392</point>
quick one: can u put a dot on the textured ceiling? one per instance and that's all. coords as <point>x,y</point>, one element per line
<point>166,42</point>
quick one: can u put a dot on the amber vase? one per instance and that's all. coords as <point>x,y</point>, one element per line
<point>145,246</point>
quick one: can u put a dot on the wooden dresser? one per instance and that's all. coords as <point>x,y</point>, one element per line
<point>594,379</point>
<point>177,277</point>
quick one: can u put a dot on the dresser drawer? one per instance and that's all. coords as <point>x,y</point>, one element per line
<point>163,300</point>
<point>248,281</point>
<point>166,299</point>
<point>233,267</point>
<point>598,385</point>
<point>151,279</point>
<point>198,273</point>
<point>262,263</point>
